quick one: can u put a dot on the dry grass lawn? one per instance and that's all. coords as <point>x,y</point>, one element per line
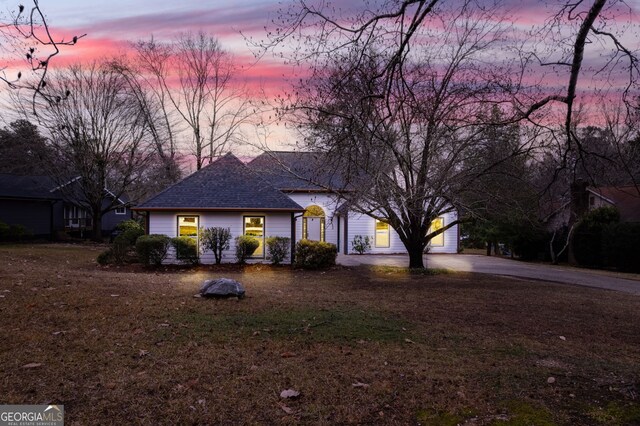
<point>375,346</point>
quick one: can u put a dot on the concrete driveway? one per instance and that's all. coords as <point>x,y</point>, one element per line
<point>500,266</point>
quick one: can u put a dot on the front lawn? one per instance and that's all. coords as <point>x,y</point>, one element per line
<point>361,345</point>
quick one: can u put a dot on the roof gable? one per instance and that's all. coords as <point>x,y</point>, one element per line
<point>226,184</point>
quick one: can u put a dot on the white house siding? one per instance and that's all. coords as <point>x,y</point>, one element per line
<point>328,204</point>
<point>276,225</point>
<point>359,224</point>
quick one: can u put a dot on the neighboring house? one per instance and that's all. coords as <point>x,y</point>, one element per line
<point>28,201</point>
<point>77,219</point>
<point>40,205</point>
<point>626,199</point>
<point>272,196</point>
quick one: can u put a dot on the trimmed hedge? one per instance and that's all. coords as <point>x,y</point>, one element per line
<point>186,250</point>
<point>315,254</point>
<point>4,231</point>
<point>123,248</point>
<point>15,232</point>
<point>106,257</point>
<point>278,249</point>
<point>588,236</point>
<point>152,249</point>
<point>245,247</point>
<point>620,243</point>
<point>129,224</point>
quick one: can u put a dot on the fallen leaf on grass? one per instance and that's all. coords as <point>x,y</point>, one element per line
<point>360,385</point>
<point>143,352</point>
<point>288,354</point>
<point>32,365</point>
<point>164,324</point>
<point>289,393</point>
<point>409,341</point>
<point>286,409</point>
<point>55,333</point>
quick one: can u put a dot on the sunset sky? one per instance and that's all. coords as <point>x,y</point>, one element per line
<point>111,25</point>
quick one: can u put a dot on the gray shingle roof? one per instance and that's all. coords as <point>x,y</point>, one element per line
<point>226,184</point>
<point>295,171</point>
<point>28,187</point>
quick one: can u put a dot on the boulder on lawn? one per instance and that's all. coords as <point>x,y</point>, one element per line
<point>222,287</point>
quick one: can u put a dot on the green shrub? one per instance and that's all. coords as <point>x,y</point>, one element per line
<point>587,237</point>
<point>186,250</point>
<point>245,247</point>
<point>361,244</point>
<point>4,231</point>
<point>152,249</point>
<point>215,240</point>
<point>620,246</point>
<point>106,257</point>
<point>278,249</point>
<point>123,248</point>
<point>128,237</point>
<point>129,224</point>
<point>315,254</point>
<point>17,232</point>
<point>529,242</point>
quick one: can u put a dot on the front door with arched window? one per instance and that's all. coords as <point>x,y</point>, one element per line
<point>313,224</point>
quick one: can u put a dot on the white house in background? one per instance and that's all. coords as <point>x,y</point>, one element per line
<point>272,196</point>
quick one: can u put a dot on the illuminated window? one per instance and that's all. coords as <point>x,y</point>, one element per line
<point>188,227</point>
<point>254,227</point>
<point>382,234</point>
<point>438,240</point>
<point>313,224</point>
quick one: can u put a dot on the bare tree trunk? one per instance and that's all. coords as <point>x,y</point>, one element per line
<point>97,225</point>
<point>416,260</point>
<point>554,256</point>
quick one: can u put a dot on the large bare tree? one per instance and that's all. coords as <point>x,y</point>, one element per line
<point>98,134</point>
<point>146,89</point>
<point>409,156</point>
<point>197,78</point>
<point>409,123</point>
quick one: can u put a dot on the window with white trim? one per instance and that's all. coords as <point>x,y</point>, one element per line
<point>382,234</point>
<point>254,227</point>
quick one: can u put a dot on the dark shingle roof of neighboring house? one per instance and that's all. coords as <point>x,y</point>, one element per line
<point>27,187</point>
<point>226,184</point>
<point>296,171</point>
<point>624,198</point>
